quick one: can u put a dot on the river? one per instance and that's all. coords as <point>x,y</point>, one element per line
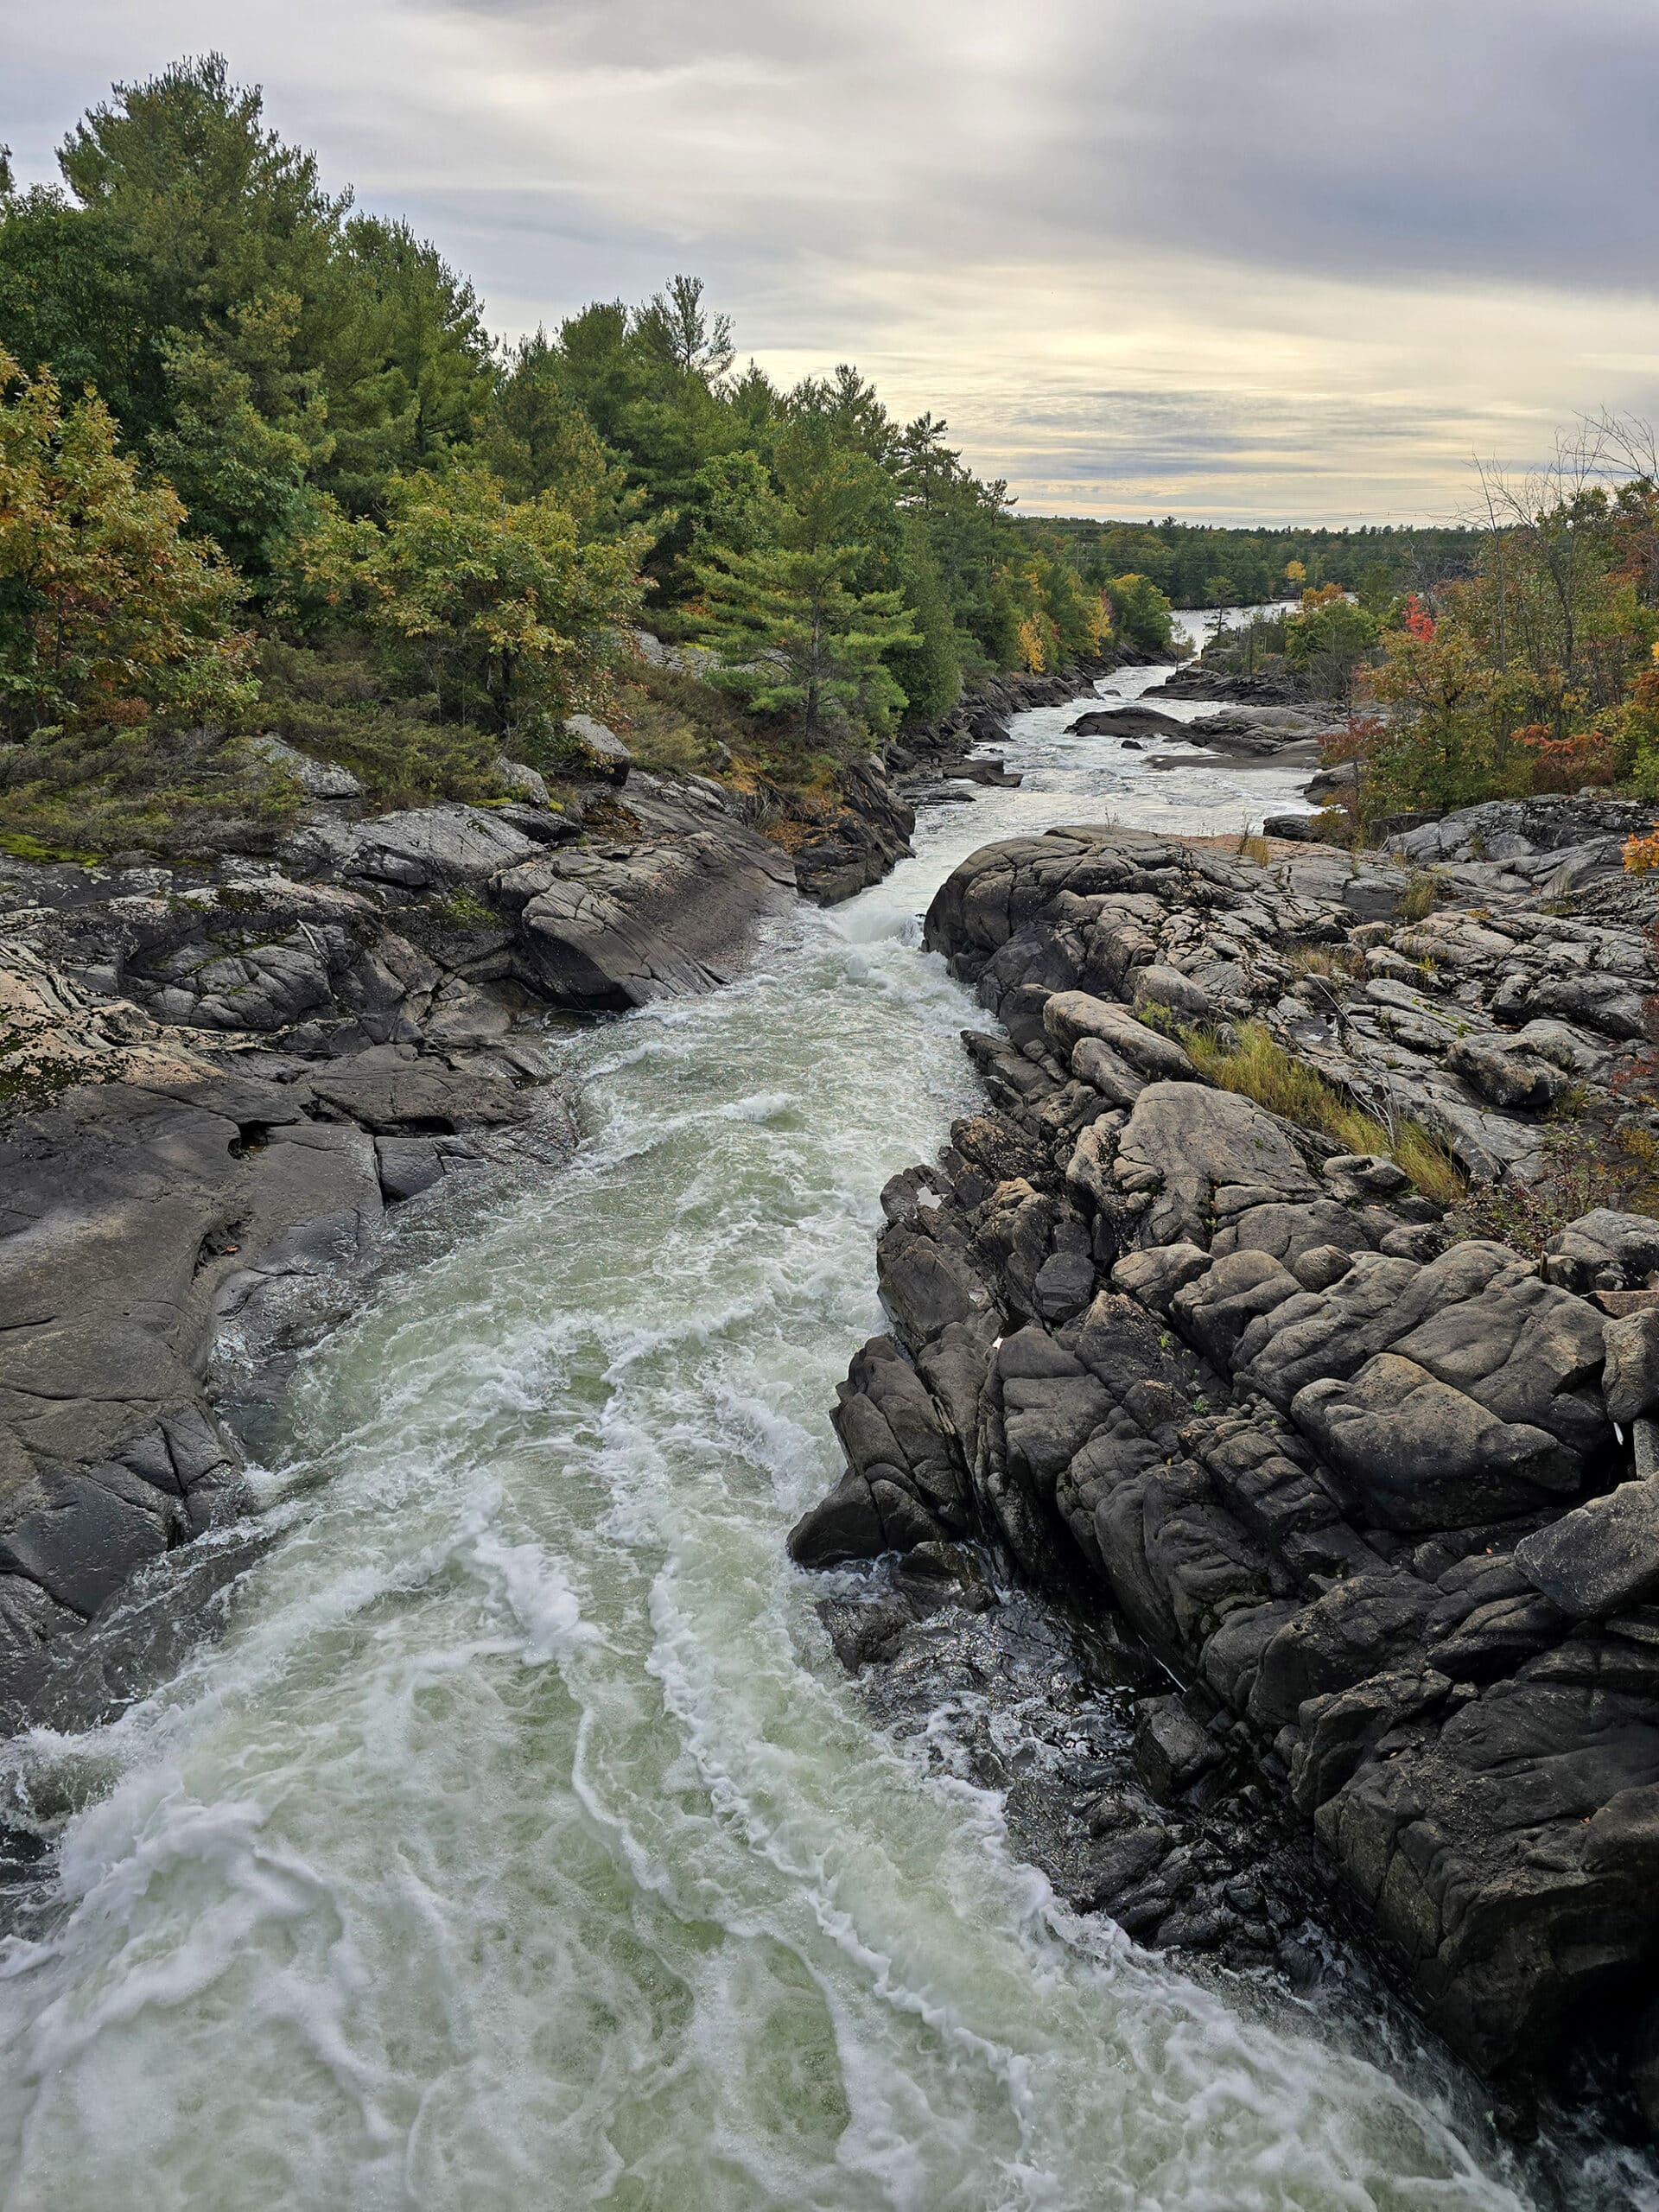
<point>518,1843</point>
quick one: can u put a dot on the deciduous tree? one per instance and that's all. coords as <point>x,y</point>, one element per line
<point>109,613</point>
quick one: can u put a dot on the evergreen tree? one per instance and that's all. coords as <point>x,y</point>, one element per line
<point>242,478</point>
<point>928,672</point>
<point>795,639</point>
<point>537,439</point>
<point>422,375</point>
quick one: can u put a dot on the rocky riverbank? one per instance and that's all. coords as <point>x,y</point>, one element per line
<point>216,1081</point>
<point>1377,1486</point>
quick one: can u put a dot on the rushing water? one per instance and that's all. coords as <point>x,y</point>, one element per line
<point>518,1843</point>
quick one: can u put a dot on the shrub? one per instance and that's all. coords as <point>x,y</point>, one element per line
<point>108,615</point>
<point>152,788</point>
<point>332,699</point>
<point>1573,1177</point>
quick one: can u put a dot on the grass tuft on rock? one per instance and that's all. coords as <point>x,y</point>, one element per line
<point>1340,962</point>
<point>1258,1067</point>
<point>1418,897</point>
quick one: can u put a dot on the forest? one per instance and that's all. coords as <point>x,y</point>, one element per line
<point>264,468</point>
<point>1534,671</point>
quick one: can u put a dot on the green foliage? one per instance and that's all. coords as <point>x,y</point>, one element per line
<point>501,605</point>
<point>731,505</point>
<point>108,616</point>
<point>1141,615</point>
<point>19,845</point>
<point>1536,673</point>
<point>241,480</point>
<point>296,419</point>
<point>73,299</point>
<point>205,267</point>
<point>1438,749</point>
<point>796,640</point>
<point>228,231</point>
<point>929,672</point>
<point>157,787</point>
<point>1206,564</point>
<point>672,719</point>
<point>332,698</point>
<point>419,378</point>
<point>1327,641</point>
<point>537,439</point>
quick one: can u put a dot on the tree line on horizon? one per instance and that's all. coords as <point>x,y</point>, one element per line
<point>1218,564</point>
<point>1531,669</point>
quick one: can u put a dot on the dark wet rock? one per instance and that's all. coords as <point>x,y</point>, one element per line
<point>139,1218</point>
<point>858,840</point>
<point>1601,1558</point>
<point>1166,991</point>
<point>1171,1751</point>
<point>214,1088</point>
<point>1126,722</point>
<point>603,928</point>
<point>1194,1158</point>
<point>1198,682</point>
<point>1421,1455</point>
<point>1365,1493</point>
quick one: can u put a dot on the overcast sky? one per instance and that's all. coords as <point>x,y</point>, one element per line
<point>1239,259</point>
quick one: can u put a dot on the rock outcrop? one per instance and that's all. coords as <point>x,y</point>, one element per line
<point>1195,680</point>
<point>213,1083</point>
<point>1383,1500</point>
<point>854,842</point>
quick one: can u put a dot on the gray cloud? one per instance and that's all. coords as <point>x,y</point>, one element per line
<point>1254,252</point>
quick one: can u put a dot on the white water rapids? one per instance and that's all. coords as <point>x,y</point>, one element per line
<point>519,1844</point>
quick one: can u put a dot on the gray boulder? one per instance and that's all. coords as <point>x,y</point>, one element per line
<point>1423,1456</point>
<point>1631,1379</point>
<point>1200,1156</point>
<point>599,751</point>
<point>324,779</point>
<point>436,848</point>
<point>1506,1074</point>
<point>1600,1558</point>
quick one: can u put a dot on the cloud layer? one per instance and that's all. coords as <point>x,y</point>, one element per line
<point>1226,258</point>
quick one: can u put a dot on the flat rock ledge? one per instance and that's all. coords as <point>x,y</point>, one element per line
<point>1385,1503</point>
<point>214,1083</point>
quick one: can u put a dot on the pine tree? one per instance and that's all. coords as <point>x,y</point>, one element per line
<point>795,638</point>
